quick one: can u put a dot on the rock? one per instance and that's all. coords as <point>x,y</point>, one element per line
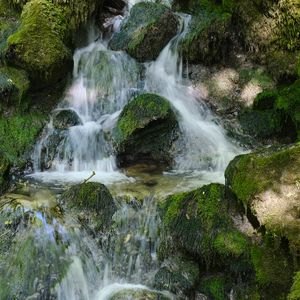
<point>200,223</point>
<point>269,32</point>
<point>178,276</point>
<point>208,40</point>
<point>65,118</point>
<point>267,182</point>
<point>94,197</point>
<point>147,31</point>
<point>141,294</point>
<point>145,119</point>
<point>38,45</point>
<point>14,84</point>
<point>214,286</point>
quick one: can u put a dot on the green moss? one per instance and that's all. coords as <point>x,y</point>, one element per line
<point>200,223</point>
<point>265,100</point>
<point>214,287</point>
<point>4,171</point>
<point>147,31</point>
<point>248,175</point>
<point>295,290</point>
<point>289,102</point>
<point>14,84</point>
<point>139,112</point>
<point>38,45</point>
<point>18,134</point>
<point>273,268</point>
<point>94,197</point>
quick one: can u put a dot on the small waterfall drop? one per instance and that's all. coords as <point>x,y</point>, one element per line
<point>203,145</point>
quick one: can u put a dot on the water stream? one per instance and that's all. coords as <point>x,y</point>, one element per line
<point>56,256</point>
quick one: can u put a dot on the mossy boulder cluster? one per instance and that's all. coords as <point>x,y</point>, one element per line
<point>249,253</point>
<point>145,131</point>
<point>147,31</point>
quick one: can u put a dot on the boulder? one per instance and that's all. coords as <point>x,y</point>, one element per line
<point>38,46</point>
<point>147,31</point>
<point>65,118</point>
<point>14,84</point>
<point>93,197</point>
<point>145,119</point>
<point>267,183</point>
<point>177,275</point>
<point>209,39</point>
<point>201,224</point>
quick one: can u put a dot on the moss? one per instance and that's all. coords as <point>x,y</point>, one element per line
<point>214,287</point>
<point>200,224</point>
<point>4,171</point>
<point>273,268</point>
<point>94,197</point>
<point>146,118</point>
<point>147,31</point>
<point>248,175</point>
<point>204,43</point>
<point>289,102</point>
<point>17,135</point>
<point>38,45</point>
<point>14,85</point>
<point>265,100</point>
<point>295,290</point>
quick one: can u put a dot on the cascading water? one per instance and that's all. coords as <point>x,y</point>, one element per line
<point>103,82</point>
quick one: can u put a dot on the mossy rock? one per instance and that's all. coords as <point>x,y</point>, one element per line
<point>14,85</point>
<point>65,118</point>
<point>9,21</point>
<point>147,31</point>
<point>200,224</point>
<point>264,124</point>
<point>295,290</point>
<point>214,286</point>
<point>4,172</point>
<point>273,265</point>
<point>289,102</point>
<point>177,275</point>
<point>93,197</point>
<point>146,118</point>
<point>208,40</point>
<point>38,45</point>
<point>270,33</point>
<point>18,134</point>
<point>261,181</point>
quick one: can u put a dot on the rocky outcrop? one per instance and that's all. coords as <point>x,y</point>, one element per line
<point>267,182</point>
<point>147,31</point>
<point>145,131</point>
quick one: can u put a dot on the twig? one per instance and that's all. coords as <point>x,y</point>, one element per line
<point>86,180</point>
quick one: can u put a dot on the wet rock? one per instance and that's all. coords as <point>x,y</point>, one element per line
<point>38,45</point>
<point>201,223</point>
<point>65,118</point>
<point>145,131</point>
<point>178,276</point>
<point>93,197</point>
<point>267,182</point>
<point>147,31</point>
<point>142,294</point>
<point>14,84</point>
<point>208,41</point>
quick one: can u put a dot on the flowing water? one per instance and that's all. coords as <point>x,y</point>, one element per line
<point>53,255</point>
